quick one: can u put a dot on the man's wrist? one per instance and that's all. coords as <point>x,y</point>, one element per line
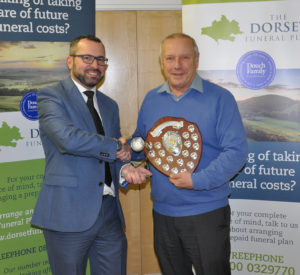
<point>119,145</point>
<point>122,173</point>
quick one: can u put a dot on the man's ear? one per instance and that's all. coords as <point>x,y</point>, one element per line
<point>69,62</point>
<point>197,60</point>
<point>160,62</point>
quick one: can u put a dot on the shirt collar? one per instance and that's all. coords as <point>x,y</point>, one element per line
<point>83,89</point>
<point>196,85</point>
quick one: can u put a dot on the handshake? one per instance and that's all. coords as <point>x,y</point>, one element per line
<point>131,174</point>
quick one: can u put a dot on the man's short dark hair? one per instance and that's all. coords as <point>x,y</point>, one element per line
<point>74,43</point>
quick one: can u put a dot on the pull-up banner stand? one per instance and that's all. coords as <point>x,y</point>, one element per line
<point>252,49</point>
<point>35,36</point>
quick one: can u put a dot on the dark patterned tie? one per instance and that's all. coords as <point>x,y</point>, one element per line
<point>100,130</point>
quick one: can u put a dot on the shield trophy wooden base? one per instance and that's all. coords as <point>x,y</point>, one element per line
<point>174,145</point>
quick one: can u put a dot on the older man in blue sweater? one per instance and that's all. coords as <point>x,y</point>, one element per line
<point>191,210</point>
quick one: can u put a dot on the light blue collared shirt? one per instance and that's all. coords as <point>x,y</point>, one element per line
<point>196,85</point>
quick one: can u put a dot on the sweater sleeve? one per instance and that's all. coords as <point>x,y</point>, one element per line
<point>233,147</point>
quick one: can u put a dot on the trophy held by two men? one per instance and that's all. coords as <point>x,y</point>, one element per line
<point>172,145</point>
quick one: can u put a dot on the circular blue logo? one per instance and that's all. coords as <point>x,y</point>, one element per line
<point>255,70</point>
<point>28,105</point>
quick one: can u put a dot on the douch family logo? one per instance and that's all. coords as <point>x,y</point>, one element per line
<point>256,70</point>
<point>9,135</point>
<point>222,29</point>
<point>28,105</point>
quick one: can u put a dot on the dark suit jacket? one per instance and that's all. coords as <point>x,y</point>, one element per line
<point>71,194</point>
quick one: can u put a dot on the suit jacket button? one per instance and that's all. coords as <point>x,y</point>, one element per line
<point>100,183</point>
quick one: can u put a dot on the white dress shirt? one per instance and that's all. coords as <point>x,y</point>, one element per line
<point>108,190</point>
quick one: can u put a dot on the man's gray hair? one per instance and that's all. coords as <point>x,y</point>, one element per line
<point>179,35</point>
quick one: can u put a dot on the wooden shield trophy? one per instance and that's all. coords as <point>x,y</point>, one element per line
<point>174,145</point>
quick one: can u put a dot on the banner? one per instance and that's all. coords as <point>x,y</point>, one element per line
<point>34,45</point>
<point>251,48</point>
<point>45,20</point>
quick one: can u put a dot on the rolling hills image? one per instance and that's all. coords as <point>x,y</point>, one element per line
<point>271,118</point>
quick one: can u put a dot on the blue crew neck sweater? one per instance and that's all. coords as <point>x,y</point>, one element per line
<point>224,151</point>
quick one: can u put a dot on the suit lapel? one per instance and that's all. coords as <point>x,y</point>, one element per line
<point>79,105</point>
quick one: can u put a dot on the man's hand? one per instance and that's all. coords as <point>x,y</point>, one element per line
<point>136,175</point>
<point>182,180</point>
<point>125,153</point>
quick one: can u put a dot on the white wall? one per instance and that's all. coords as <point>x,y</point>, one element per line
<point>138,5</point>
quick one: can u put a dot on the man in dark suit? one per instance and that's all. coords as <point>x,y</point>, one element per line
<point>78,206</point>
